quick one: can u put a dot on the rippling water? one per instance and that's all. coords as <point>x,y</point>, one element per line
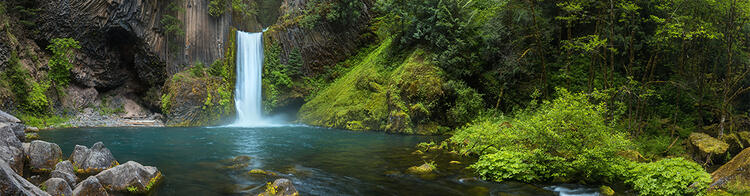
<point>319,161</point>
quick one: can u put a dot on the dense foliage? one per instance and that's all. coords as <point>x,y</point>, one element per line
<point>567,138</point>
<point>674,176</point>
<point>60,62</point>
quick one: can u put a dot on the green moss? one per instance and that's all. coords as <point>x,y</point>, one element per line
<point>423,169</point>
<point>708,144</point>
<point>606,190</point>
<point>380,92</point>
<point>44,121</point>
<point>209,88</point>
<point>342,102</point>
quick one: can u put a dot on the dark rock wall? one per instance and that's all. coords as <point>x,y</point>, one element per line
<point>124,44</point>
<point>324,44</point>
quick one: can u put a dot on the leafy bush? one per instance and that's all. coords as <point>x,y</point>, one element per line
<point>567,139</point>
<point>337,12</point>
<point>468,103</point>
<point>60,62</point>
<point>674,176</point>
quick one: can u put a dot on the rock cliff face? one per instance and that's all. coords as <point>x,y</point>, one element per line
<point>125,50</point>
<point>323,43</point>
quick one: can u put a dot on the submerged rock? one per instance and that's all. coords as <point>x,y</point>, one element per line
<point>707,144</point>
<point>131,177</point>
<point>733,176</point>
<point>13,184</point>
<point>43,156</point>
<point>64,170</point>
<point>239,162</point>
<point>261,172</point>
<point>421,170</point>
<point>11,149</point>
<point>280,187</point>
<point>57,187</point>
<point>94,160</point>
<point>90,187</point>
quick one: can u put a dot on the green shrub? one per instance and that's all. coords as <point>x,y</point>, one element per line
<point>468,103</point>
<point>36,101</point>
<point>217,8</point>
<point>567,138</point>
<point>674,176</point>
<point>60,62</point>
<point>516,165</point>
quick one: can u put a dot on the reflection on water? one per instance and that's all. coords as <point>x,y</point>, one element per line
<point>198,161</point>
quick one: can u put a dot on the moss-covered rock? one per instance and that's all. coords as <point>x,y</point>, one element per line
<point>381,94</point>
<point>707,144</point>
<point>606,190</point>
<point>202,95</point>
<point>734,176</point>
<point>423,169</point>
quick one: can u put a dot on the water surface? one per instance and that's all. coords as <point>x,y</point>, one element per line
<point>319,161</point>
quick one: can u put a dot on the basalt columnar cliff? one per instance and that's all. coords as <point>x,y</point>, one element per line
<point>129,56</point>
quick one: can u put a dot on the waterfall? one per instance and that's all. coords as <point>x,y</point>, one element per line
<point>248,90</point>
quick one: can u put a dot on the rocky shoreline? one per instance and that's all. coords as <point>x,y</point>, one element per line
<point>38,167</point>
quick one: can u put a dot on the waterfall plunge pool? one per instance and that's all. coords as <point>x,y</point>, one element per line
<point>319,161</point>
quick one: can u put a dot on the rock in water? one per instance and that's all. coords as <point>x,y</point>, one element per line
<point>43,156</point>
<point>13,184</point>
<point>64,170</point>
<point>57,187</point>
<point>93,160</point>
<point>734,175</point>
<point>281,187</point>
<point>130,174</point>
<point>90,187</point>
<point>11,149</point>
<point>421,170</point>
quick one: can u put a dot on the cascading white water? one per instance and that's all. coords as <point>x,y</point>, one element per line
<point>248,90</point>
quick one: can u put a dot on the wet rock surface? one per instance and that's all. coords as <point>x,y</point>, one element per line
<point>13,184</point>
<point>281,187</point>
<point>43,156</point>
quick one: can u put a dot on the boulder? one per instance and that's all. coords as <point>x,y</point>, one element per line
<point>5,117</point>
<point>79,155</point>
<point>57,187</point>
<point>13,184</point>
<point>90,187</point>
<point>130,175</point>
<point>93,160</point>
<point>707,144</point>
<point>43,156</point>
<point>31,129</point>
<point>17,129</point>
<point>281,187</point>
<point>11,149</point>
<point>64,170</point>
<point>734,176</point>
